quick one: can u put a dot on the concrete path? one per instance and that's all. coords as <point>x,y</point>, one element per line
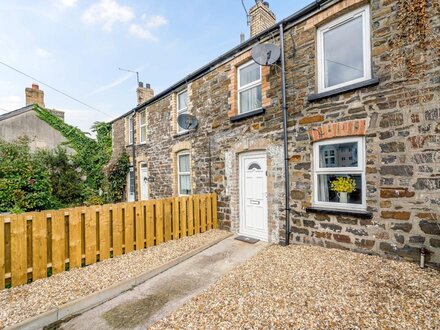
<point>158,297</point>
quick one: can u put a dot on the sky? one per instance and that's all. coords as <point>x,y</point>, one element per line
<point>77,46</point>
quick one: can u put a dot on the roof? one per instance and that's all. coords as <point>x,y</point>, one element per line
<point>314,7</point>
<point>17,112</point>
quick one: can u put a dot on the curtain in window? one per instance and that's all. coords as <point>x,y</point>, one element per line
<point>250,99</point>
<point>183,163</point>
<point>249,74</point>
<point>185,184</point>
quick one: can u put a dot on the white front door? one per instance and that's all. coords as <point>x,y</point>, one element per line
<point>253,195</point>
<point>144,181</point>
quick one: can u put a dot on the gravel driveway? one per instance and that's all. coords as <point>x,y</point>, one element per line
<point>20,303</point>
<point>309,287</point>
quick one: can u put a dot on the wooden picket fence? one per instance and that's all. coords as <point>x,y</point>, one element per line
<point>38,244</point>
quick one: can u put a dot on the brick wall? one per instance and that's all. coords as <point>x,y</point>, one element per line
<point>399,118</point>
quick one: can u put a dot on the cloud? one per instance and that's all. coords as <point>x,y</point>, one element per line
<point>12,102</point>
<point>42,52</point>
<point>107,13</point>
<point>66,3</point>
<point>143,30</point>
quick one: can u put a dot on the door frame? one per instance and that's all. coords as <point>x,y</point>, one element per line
<point>241,197</point>
<point>140,181</point>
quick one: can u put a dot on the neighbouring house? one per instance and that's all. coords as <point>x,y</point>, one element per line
<point>25,122</point>
<point>363,118</point>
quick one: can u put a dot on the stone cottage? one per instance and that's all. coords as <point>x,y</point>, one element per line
<point>363,130</point>
<point>25,122</point>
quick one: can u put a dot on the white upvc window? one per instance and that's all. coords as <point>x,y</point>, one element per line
<point>130,185</point>
<point>182,107</point>
<point>183,173</point>
<point>344,51</point>
<point>339,174</point>
<point>249,87</point>
<point>130,130</point>
<point>143,127</point>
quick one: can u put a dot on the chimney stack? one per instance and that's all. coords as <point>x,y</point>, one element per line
<point>144,93</point>
<point>261,17</point>
<point>34,95</point>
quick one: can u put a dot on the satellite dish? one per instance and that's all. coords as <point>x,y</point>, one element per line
<point>187,121</point>
<point>266,54</point>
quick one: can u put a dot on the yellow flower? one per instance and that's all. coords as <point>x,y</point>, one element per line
<point>343,184</point>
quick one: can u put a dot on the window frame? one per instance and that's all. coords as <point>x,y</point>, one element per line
<point>248,86</point>
<point>181,111</point>
<point>179,173</point>
<point>142,126</point>
<point>360,169</point>
<point>130,194</point>
<point>130,130</point>
<point>364,12</point>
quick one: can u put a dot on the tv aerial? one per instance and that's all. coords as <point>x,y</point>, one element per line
<point>265,54</point>
<point>187,121</point>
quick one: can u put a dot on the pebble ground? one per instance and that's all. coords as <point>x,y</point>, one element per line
<point>309,287</point>
<point>20,303</point>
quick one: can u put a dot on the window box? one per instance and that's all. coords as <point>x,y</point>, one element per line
<point>339,174</point>
<point>344,51</point>
<point>351,213</point>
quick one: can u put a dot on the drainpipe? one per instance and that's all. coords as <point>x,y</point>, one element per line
<point>133,155</point>
<point>285,140</point>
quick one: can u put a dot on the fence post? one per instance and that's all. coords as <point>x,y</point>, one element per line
<point>214,210</point>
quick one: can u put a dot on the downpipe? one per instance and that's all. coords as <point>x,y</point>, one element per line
<point>285,139</point>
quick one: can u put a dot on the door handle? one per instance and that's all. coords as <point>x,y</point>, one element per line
<point>254,202</point>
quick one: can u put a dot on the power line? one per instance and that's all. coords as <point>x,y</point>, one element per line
<point>56,90</point>
<point>4,110</point>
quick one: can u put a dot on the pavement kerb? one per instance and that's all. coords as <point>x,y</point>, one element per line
<point>85,303</point>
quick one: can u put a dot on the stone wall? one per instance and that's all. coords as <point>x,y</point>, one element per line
<point>399,118</point>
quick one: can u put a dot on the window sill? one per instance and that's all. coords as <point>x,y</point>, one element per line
<point>341,90</point>
<point>178,135</point>
<point>356,214</point>
<point>246,115</point>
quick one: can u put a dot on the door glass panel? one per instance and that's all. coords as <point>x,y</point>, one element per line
<point>254,166</point>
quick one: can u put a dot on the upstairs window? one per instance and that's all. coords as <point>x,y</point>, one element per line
<point>130,130</point>
<point>249,87</point>
<point>143,127</point>
<point>183,173</point>
<point>182,107</point>
<point>344,51</point>
<point>339,173</point>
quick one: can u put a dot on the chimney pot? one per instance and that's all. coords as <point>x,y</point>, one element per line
<point>144,93</point>
<point>35,86</point>
<point>140,84</point>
